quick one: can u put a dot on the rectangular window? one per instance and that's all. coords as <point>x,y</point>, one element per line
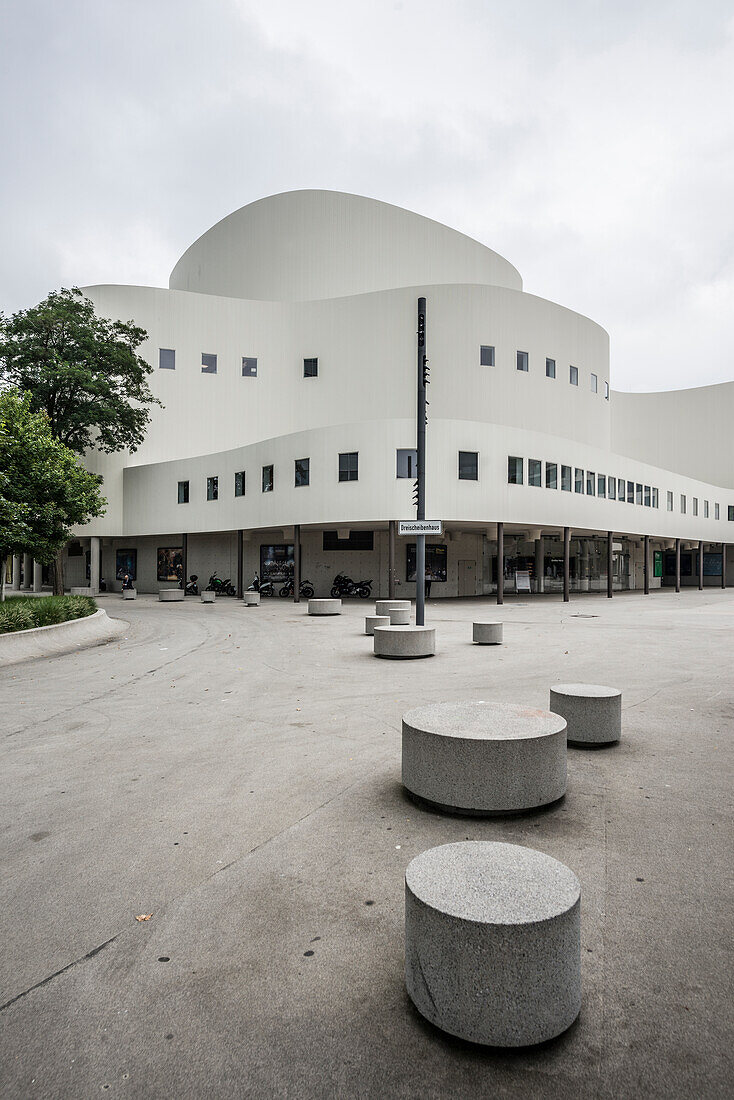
<point>407,463</point>
<point>310,368</point>
<point>594,384</point>
<point>358,540</point>
<point>590,483</point>
<point>522,360</point>
<point>683,504</point>
<point>655,500</point>
<point>277,563</point>
<point>573,375</point>
<point>436,556</point>
<point>601,485</point>
<point>705,509</point>
<point>695,506</point>
<point>166,359</point>
<point>630,492</point>
<point>606,391</point>
<point>670,501</point>
<point>212,488</point>
<point>303,471</point>
<point>468,466</point>
<point>535,472</point>
<point>208,363</point>
<point>239,483</point>
<point>551,475</point>
<point>648,496</point>
<point>565,479</point>
<point>268,479</point>
<point>183,492</point>
<point>612,487</point>
<point>249,367</point>
<point>716,511</point>
<point>638,494</point>
<point>578,480</point>
<point>730,512</point>
<point>620,489</point>
<point>514,470</point>
<point>550,368</point>
<point>349,466</point>
<point>486,356</point>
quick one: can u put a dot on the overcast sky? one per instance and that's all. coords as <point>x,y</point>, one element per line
<point>591,142</point>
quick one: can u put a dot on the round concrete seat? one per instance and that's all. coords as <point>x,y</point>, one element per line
<point>129,593</point>
<point>384,607</point>
<point>82,591</point>
<point>405,642</point>
<point>399,616</point>
<point>371,621</point>
<point>593,712</point>
<point>208,597</point>
<point>484,758</point>
<point>493,942</point>
<point>324,607</point>
<point>251,599</point>
<point>170,595</point>
<point>487,633</point>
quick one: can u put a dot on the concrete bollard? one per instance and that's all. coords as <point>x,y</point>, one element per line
<point>593,712</point>
<point>324,607</point>
<point>487,633</point>
<point>405,642</point>
<point>371,621</point>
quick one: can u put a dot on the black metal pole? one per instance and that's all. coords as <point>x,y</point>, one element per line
<point>566,563</point>
<point>391,560</point>
<point>240,564</point>
<point>500,563</point>
<point>420,549</point>
<point>723,565</point>
<point>646,566</point>
<point>700,565</point>
<point>185,560</point>
<point>677,565</point>
<point>610,564</point>
<point>297,563</point>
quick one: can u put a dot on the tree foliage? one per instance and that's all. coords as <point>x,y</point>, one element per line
<point>82,370</point>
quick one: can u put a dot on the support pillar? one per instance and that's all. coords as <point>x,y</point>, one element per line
<point>185,561</point>
<point>240,567</point>
<point>27,572</point>
<point>297,563</point>
<point>500,563</point>
<point>15,583</point>
<point>566,563</point>
<point>391,559</point>
<point>677,565</point>
<point>37,576</point>
<point>94,563</point>
<point>610,564</point>
<point>539,565</point>
<point>646,565</point>
<point>723,565</point>
<point>700,565</point>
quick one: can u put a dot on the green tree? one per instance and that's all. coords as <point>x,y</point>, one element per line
<point>44,489</point>
<point>83,371</point>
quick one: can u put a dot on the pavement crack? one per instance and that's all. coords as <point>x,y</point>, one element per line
<point>58,973</point>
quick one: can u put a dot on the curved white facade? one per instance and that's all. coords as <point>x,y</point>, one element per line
<point>335,277</point>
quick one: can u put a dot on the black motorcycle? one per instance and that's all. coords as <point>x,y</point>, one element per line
<point>192,588</point>
<point>221,587</point>
<point>344,586</point>
<point>305,588</point>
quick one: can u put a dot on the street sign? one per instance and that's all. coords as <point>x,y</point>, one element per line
<point>420,527</point>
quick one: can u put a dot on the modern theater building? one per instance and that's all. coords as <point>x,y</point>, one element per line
<point>284,352</point>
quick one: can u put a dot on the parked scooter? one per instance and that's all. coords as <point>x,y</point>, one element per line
<point>221,587</point>
<point>305,588</point>
<point>265,588</point>
<point>192,588</point>
<point>344,586</point>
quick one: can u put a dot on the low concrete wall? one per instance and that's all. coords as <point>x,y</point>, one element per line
<point>51,641</point>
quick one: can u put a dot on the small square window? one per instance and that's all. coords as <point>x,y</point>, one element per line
<point>612,487</point>
<point>716,511</point>
<point>310,368</point>
<point>468,466</point>
<point>212,488</point>
<point>166,359</point>
<point>578,483</point>
<point>522,360</point>
<point>268,479</point>
<point>590,483</point>
<point>601,485</point>
<point>594,383</point>
<point>573,375</point>
<point>514,470</point>
<point>208,363</point>
<point>683,504</point>
<point>486,356</point>
<point>566,479</point>
<point>303,472</point>
<point>606,391</point>
<point>249,367</point>
<point>648,496</point>
<point>407,463</point>
<point>349,466</point>
<point>670,501</point>
<point>551,475</point>
<point>550,368</point>
<point>695,506</point>
<point>183,492</point>
<point>535,472</point>
<point>239,483</point>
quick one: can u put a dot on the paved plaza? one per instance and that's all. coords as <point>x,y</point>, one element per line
<point>235,772</point>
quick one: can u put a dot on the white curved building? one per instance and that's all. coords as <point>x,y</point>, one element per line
<point>285,357</point>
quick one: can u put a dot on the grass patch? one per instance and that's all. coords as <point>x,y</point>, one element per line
<point>27,612</point>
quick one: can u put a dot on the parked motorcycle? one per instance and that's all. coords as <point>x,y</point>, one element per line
<point>265,588</point>
<point>221,587</point>
<point>192,588</point>
<point>305,588</point>
<point>344,586</point>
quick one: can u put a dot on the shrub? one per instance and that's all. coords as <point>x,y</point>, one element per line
<point>26,612</point>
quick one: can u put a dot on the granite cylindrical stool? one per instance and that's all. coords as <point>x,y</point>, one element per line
<point>208,597</point>
<point>324,607</point>
<point>493,942</point>
<point>251,599</point>
<point>484,758</point>
<point>371,621</point>
<point>171,595</point>
<point>405,642</point>
<point>384,607</point>
<point>487,633</point>
<point>399,616</point>
<point>593,712</point>
<point>129,593</point>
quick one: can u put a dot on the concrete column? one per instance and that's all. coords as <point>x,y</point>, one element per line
<point>700,565</point>
<point>610,564</point>
<point>500,563</point>
<point>185,561</point>
<point>94,560</point>
<point>240,568</point>
<point>37,576</point>
<point>539,565</point>
<point>391,559</point>
<point>566,563</point>
<point>646,564</point>
<point>27,572</point>
<point>677,565</point>
<point>297,563</point>
<point>15,583</point>
<point>723,565</point>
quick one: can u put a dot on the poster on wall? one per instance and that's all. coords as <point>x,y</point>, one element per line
<point>126,561</point>
<point>711,565</point>
<point>436,562</point>
<point>657,566</point>
<point>277,562</point>
<point>170,563</point>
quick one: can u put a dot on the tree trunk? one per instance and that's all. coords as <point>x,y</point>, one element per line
<point>3,564</point>
<point>58,573</point>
